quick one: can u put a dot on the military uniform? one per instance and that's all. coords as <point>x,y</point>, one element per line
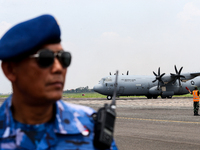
<point>71,129</point>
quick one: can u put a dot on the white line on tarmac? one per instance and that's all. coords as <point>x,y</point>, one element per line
<point>175,121</point>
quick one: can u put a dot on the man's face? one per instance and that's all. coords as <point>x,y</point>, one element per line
<point>35,82</point>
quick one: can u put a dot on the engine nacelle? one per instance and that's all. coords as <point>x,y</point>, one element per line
<point>167,93</point>
<point>154,91</point>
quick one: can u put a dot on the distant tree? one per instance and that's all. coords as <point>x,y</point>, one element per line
<point>79,90</point>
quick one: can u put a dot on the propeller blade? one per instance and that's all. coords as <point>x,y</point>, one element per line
<point>162,75</point>
<point>172,74</point>
<point>154,73</point>
<point>178,75</point>
<point>159,78</point>
<point>154,81</point>
<point>176,69</point>
<point>159,71</point>
<point>110,73</point>
<point>180,70</point>
<point>158,86</point>
<point>179,82</point>
<point>182,76</point>
<point>127,72</point>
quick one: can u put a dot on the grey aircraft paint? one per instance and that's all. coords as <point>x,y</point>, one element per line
<point>150,86</point>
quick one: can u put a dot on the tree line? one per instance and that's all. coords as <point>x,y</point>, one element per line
<point>79,90</point>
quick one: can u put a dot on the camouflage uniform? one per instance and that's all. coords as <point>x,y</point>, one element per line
<point>71,129</point>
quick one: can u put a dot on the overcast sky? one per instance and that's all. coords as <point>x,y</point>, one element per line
<point>108,35</point>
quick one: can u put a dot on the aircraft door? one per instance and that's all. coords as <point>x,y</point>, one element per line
<point>121,90</point>
<point>142,88</point>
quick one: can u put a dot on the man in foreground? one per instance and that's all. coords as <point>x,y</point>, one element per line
<point>34,117</point>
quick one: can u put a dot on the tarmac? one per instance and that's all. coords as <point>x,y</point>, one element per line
<point>152,124</point>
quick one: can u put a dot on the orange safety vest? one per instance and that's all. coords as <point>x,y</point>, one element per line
<point>195,96</point>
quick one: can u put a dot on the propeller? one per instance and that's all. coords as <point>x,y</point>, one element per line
<point>126,73</point>
<point>178,75</point>
<point>114,73</point>
<point>158,77</point>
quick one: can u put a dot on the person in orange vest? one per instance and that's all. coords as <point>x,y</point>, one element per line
<point>195,94</point>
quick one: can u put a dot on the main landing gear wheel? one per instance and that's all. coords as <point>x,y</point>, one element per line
<point>109,97</point>
<point>149,97</point>
<point>155,97</point>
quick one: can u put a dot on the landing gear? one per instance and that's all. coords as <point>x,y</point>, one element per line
<point>155,97</point>
<point>109,97</point>
<point>150,96</point>
<point>166,97</point>
<point>163,97</point>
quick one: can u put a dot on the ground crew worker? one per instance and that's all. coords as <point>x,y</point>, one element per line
<point>34,116</point>
<point>195,94</point>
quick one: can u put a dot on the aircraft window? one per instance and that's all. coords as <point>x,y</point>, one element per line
<point>108,79</point>
<point>101,81</point>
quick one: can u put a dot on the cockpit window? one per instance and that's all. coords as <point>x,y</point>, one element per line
<point>102,81</point>
<point>108,79</point>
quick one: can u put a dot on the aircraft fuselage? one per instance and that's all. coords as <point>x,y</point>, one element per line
<point>131,85</point>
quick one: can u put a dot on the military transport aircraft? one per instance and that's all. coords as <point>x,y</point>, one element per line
<point>150,86</point>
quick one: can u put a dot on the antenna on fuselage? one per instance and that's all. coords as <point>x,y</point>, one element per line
<point>104,123</point>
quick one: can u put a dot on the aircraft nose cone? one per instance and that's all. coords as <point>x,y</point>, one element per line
<point>97,88</point>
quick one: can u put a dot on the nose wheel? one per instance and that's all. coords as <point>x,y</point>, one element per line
<point>109,97</point>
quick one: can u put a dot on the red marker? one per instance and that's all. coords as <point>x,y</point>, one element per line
<point>188,89</point>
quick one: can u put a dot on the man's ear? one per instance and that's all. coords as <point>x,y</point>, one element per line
<point>9,70</point>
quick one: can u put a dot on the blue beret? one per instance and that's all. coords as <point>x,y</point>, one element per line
<point>28,36</point>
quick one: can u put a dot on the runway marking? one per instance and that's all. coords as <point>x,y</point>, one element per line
<point>159,120</point>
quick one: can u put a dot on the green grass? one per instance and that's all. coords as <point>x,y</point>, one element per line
<point>186,95</point>
<point>4,96</point>
<point>95,95</point>
<point>86,95</point>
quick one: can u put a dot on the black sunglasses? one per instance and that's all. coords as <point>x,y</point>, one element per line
<point>45,58</point>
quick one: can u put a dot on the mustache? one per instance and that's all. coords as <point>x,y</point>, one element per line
<point>57,79</point>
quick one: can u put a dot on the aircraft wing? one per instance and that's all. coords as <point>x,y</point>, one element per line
<point>195,74</point>
<point>183,77</point>
<point>189,76</point>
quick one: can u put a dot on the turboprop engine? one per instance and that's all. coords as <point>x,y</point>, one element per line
<point>154,91</point>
